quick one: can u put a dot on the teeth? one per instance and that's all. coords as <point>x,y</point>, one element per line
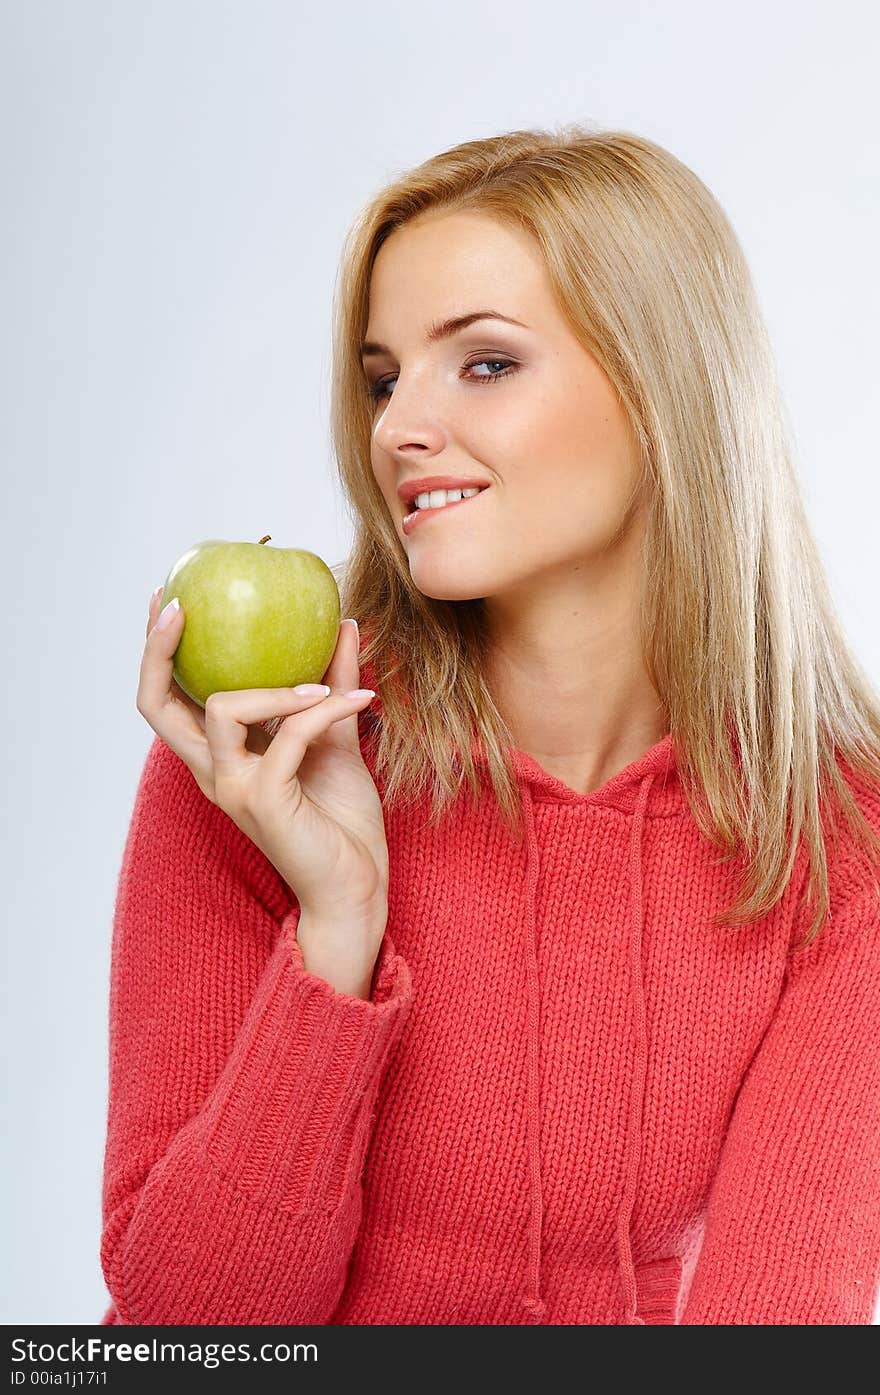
<point>436,498</point>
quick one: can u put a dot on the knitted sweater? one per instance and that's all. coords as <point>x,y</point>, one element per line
<point>569,1099</point>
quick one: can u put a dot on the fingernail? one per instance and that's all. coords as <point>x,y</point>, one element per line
<point>168,614</point>
<point>350,620</point>
<point>312,689</point>
<point>360,693</point>
<point>155,594</point>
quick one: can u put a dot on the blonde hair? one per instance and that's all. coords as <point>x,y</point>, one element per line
<point>739,632</point>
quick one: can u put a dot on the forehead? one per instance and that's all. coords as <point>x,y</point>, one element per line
<point>448,264</point>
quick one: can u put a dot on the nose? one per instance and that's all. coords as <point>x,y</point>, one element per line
<point>408,424</point>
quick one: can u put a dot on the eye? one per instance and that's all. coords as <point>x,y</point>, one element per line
<point>379,389</point>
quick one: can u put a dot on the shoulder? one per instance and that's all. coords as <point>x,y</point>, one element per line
<point>849,861</point>
<point>853,876</point>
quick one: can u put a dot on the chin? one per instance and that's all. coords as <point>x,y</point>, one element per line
<point>447,583</point>
<point>448,593</point>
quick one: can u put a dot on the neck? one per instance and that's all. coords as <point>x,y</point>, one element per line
<point>569,679</point>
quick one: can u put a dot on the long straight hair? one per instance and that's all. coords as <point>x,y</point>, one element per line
<point>738,629</point>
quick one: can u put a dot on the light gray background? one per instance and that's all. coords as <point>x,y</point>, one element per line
<point>177,179</point>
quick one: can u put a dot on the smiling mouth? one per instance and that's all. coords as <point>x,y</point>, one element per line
<point>411,519</point>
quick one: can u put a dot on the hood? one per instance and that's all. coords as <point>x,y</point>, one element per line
<point>649,787</point>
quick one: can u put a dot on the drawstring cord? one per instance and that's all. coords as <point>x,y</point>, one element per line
<point>637,1092</point>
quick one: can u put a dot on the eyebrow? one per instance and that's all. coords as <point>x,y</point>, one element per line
<point>443,329</point>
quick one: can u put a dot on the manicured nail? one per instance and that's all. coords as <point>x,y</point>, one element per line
<point>312,689</point>
<point>168,614</point>
<point>155,594</point>
<point>360,693</point>
<point>350,620</point>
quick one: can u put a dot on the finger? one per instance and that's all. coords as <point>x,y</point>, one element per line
<point>176,692</point>
<point>323,721</point>
<point>343,671</point>
<point>157,660</point>
<point>155,604</point>
<point>343,675</point>
<point>160,700</point>
<point>228,716</point>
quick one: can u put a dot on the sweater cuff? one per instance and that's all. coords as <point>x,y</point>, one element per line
<point>290,1117</point>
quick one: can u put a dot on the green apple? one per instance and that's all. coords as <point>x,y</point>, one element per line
<point>254,617</point>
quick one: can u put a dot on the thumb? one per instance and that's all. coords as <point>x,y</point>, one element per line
<point>342,675</point>
<point>343,671</point>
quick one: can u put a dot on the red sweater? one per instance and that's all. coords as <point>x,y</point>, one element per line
<point>568,1100</point>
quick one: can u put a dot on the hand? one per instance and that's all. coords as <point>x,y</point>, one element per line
<point>304,797</point>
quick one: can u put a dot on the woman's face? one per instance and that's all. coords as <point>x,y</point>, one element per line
<point>524,408</point>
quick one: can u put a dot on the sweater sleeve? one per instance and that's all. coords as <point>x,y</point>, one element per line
<point>792,1233</point>
<point>241,1087</point>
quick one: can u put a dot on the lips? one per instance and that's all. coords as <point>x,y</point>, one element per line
<point>419,516</point>
<point>410,489</point>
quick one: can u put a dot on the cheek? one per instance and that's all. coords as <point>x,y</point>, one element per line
<point>386,481</point>
<point>556,411</point>
<point>529,420</point>
<point>576,441</point>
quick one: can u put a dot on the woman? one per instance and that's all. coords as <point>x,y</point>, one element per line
<point>525,1050</point>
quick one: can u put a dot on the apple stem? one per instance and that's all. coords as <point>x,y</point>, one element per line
<point>267,538</point>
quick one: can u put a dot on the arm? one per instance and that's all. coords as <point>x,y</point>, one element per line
<point>793,1221</point>
<point>241,1085</point>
